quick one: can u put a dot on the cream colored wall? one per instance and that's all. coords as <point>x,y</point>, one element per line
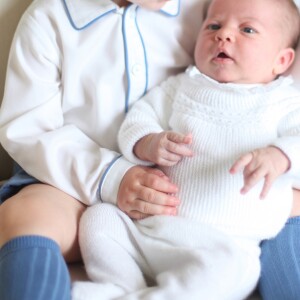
<point>10,13</point>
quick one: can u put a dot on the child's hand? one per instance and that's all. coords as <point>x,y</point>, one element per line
<point>268,163</point>
<point>165,149</point>
<point>147,191</point>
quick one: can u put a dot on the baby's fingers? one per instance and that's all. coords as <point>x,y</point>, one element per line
<point>267,186</point>
<point>179,138</point>
<point>251,179</point>
<point>178,144</point>
<point>241,163</point>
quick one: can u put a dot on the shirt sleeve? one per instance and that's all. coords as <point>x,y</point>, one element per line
<point>33,128</point>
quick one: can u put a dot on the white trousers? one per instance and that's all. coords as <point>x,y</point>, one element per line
<point>162,257</point>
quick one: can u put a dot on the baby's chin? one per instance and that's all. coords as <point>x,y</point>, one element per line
<point>229,78</point>
<point>223,76</point>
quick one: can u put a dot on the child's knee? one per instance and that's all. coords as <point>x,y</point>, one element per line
<point>296,203</point>
<point>25,215</point>
<point>99,216</point>
<point>101,220</point>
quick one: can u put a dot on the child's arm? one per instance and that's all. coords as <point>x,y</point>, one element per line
<point>165,149</point>
<point>268,163</point>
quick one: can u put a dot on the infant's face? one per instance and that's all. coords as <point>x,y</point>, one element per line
<point>150,4</point>
<point>240,41</point>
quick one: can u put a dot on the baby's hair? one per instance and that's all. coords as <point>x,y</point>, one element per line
<point>205,8</point>
<point>290,16</point>
<point>291,21</point>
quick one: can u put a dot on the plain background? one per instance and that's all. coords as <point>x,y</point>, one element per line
<point>10,13</point>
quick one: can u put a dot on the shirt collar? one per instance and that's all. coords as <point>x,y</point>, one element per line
<point>83,13</point>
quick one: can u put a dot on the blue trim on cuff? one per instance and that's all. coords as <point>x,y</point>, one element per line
<point>104,175</point>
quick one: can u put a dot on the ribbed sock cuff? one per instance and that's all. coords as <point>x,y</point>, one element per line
<point>32,267</point>
<point>26,242</point>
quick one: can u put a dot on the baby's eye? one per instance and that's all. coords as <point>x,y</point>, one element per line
<point>213,27</point>
<point>248,30</point>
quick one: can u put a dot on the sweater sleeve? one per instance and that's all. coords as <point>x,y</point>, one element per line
<point>149,115</point>
<point>289,142</point>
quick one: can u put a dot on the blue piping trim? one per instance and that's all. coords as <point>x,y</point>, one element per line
<point>108,12</point>
<point>88,24</point>
<point>145,57</point>
<point>126,61</point>
<point>104,175</point>
<point>170,15</point>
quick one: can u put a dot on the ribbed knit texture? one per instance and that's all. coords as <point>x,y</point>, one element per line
<point>32,268</point>
<point>280,262</point>
<point>226,121</point>
<point>181,259</point>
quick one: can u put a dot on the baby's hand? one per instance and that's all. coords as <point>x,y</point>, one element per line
<point>268,163</point>
<point>165,149</point>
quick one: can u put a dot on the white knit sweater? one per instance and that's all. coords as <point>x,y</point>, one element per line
<point>226,120</point>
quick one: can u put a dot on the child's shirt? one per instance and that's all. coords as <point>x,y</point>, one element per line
<point>75,68</point>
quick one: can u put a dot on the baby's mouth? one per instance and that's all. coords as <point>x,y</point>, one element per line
<point>222,58</point>
<point>222,55</point>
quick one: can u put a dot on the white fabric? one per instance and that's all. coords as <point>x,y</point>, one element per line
<point>66,87</point>
<point>181,259</point>
<point>211,249</point>
<point>184,257</point>
<point>226,121</point>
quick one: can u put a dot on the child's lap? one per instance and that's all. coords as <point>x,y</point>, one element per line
<point>18,181</point>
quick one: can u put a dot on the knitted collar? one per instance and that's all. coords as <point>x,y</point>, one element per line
<point>83,13</point>
<point>193,72</point>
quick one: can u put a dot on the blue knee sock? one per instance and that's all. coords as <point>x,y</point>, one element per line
<point>32,268</point>
<point>280,261</point>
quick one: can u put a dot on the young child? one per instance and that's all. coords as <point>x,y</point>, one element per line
<point>231,112</point>
<point>75,66</point>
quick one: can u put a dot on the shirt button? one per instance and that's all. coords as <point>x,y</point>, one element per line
<point>136,69</point>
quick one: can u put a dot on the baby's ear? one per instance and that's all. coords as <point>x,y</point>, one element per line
<point>283,61</point>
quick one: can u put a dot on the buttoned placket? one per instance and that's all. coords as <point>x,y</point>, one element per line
<point>135,56</point>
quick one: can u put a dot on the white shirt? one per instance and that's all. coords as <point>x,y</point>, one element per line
<point>75,68</point>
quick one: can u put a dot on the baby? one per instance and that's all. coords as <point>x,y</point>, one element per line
<point>231,112</point>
